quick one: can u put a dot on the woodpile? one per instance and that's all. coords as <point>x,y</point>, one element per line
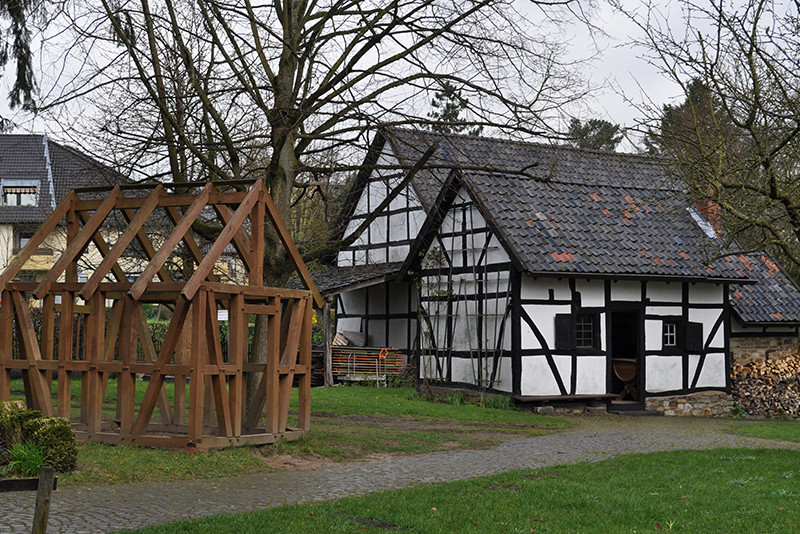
<point>768,388</point>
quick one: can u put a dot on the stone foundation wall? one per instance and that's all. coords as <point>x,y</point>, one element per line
<point>745,350</point>
<point>704,404</point>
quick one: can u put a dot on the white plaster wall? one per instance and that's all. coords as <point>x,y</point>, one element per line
<point>713,373</point>
<point>540,288</point>
<point>354,302</point>
<point>495,253</point>
<point>543,316</point>
<point>382,229</point>
<point>398,298</point>
<point>428,368</point>
<point>593,293</point>
<point>668,311</point>
<point>398,253</point>
<point>591,375</point>
<point>462,371</point>
<point>377,334</point>
<point>6,244</point>
<point>402,200</point>
<point>626,290</point>
<point>705,294</point>
<point>708,317</point>
<point>538,379</point>
<point>663,373</point>
<point>653,330</point>
<point>377,299</point>
<point>664,291</point>
<point>504,381</point>
<point>398,330</point>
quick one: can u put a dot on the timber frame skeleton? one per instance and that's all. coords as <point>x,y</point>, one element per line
<point>93,328</point>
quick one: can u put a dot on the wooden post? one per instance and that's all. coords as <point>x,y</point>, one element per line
<point>328,342</point>
<point>198,359</point>
<point>42,510</point>
<point>48,331</point>
<point>126,380</point>
<point>237,348</point>
<point>95,351</point>
<point>271,373</point>
<point>6,340</point>
<point>73,227</point>
<point>65,352</point>
<point>304,391</point>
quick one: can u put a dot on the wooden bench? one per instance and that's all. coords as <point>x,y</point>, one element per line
<point>365,364</point>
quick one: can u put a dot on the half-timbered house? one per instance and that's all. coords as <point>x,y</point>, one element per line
<point>544,272</point>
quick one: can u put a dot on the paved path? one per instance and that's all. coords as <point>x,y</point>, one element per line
<point>594,438</point>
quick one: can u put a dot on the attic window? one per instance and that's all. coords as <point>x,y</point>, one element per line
<point>14,195</point>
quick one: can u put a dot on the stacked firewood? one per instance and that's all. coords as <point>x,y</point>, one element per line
<point>768,388</point>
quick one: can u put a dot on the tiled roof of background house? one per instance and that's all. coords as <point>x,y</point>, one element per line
<point>571,211</point>
<point>774,299</point>
<point>56,168</point>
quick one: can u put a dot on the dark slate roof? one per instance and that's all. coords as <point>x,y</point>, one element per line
<point>337,279</point>
<point>35,157</point>
<point>774,299</point>
<point>570,211</point>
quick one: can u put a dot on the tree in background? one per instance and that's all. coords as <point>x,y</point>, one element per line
<point>734,139</point>
<point>597,134</point>
<point>448,104</point>
<point>229,89</point>
<point>15,45</point>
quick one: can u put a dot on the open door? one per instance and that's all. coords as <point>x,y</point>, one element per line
<point>626,360</point>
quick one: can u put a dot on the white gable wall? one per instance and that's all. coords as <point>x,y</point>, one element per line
<point>389,236</point>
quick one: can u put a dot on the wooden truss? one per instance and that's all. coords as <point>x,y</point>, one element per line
<point>95,331</point>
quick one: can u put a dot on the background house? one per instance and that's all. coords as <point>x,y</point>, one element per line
<point>35,175</point>
<point>545,272</point>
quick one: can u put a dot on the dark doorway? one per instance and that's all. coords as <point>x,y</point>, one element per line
<point>626,364</point>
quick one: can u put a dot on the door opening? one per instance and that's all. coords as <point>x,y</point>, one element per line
<point>626,365</point>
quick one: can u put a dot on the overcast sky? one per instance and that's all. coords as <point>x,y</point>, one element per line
<point>626,78</point>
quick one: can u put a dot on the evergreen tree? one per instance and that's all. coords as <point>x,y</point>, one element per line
<point>15,45</point>
<point>597,134</point>
<point>448,104</point>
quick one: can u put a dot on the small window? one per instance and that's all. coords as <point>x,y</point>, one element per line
<point>670,334</point>
<point>24,237</point>
<point>584,331</point>
<point>19,195</point>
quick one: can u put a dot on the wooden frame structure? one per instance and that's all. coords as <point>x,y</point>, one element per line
<point>94,329</point>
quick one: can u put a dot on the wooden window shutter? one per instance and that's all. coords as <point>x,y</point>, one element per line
<point>694,337</point>
<point>565,337</point>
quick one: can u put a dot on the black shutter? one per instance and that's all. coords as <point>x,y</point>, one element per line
<point>694,337</point>
<point>565,336</point>
<point>596,330</point>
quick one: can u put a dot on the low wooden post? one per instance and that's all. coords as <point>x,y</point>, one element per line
<point>46,476</point>
<point>328,341</point>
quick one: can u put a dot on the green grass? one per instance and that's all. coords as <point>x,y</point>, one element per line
<point>785,430</point>
<point>347,423</point>
<point>720,491</point>
<point>99,463</point>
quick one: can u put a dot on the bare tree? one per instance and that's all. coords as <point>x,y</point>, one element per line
<point>228,89</point>
<point>735,138</point>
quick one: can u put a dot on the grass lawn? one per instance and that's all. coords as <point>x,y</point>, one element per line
<point>347,423</point>
<point>786,430</point>
<point>720,491</point>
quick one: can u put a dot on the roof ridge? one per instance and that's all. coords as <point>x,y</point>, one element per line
<point>521,142</point>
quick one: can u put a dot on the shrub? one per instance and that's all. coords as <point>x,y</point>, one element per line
<point>27,459</point>
<point>13,417</point>
<point>55,437</point>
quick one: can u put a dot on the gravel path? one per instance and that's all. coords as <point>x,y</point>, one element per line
<point>594,438</point>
